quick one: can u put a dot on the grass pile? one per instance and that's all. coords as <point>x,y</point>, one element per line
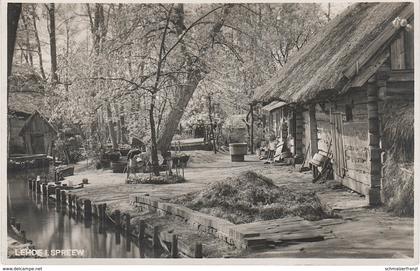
<point>252,197</point>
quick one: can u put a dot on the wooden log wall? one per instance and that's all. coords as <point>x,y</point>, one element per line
<point>355,137</point>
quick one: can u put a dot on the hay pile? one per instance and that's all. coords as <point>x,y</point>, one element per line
<point>251,197</point>
<point>398,188</point>
<point>398,138</point>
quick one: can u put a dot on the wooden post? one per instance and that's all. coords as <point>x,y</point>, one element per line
<point>44,189</point>
<point>38,187</point>
<point>174,246</point>
<point>251,109</point>
<point>23,233</point>
<point>103,212</point>
<point>78,208</point>
<point>70,201</point>
<point>374,194</point>
<point>117,219</point>
<point>63,197</point>
<point>142,229</point>
<point>100,212</point>
<point>198,251</point>
<point>87,209</point>
<point>313,129</point>
<point>57,195</point>
<point>127,223</point>
<point>155,240</point>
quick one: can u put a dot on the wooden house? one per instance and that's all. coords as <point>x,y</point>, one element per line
<point>38,135</point>
<point>29,132</point>
<point>284,123</point>
<point>349,81</point>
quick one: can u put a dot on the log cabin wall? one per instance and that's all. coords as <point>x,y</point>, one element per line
<point>353,110</point>
<point>16,143</point>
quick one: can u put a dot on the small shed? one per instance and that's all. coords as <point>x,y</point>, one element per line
<point>38,134</point>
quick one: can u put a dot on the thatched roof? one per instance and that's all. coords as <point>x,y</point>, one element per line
<point>320,64</point>
<point>27,123</point>
<point>25,102</point>
<point>25,89</point>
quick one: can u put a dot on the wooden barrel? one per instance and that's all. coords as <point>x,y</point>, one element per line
<point>237,151</point>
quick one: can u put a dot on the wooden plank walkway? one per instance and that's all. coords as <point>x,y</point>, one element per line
<point>280,232</point>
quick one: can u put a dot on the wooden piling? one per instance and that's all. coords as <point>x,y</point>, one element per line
<point>44,189</point>
<point>127,223</point>
<point>103,212</point>
<point>174,246</point>
<point>88,209</point>
<point>198,251</point>
<point>57,195</point>
<point>155,240</point>
<point>63,196</point>
<point>117,216</point>
<point>38,187</point>
<point>78,208</point>
<point>30,184</point>
<point>33,185</point>
<point>23,233</point>
<point>70,201</point>
<point>142,230</point>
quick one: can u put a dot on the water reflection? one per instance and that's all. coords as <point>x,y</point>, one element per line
<point>55,227</point>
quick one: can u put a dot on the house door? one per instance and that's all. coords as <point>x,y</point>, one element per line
<point>339,164</point>
<point>37,142</point>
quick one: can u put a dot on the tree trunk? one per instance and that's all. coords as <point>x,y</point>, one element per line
<point>185,93</point>
<point>27,40</point>
<point>38,43</point>
<point>122,122</point>
<point>13,14</point>
<point>53,48</point>
<point>213,139</point>
<point>155,159</point>
<point>251,108</point>
<point>111,127</point>
<point>193,79</point>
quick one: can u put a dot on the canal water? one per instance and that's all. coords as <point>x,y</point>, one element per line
<point>53,228</point>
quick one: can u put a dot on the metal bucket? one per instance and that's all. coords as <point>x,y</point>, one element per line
<point>318,159</point>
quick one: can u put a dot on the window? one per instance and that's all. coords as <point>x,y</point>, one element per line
<point>349,112</point>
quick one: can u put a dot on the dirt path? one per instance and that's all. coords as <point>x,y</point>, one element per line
<point>359,233</point>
